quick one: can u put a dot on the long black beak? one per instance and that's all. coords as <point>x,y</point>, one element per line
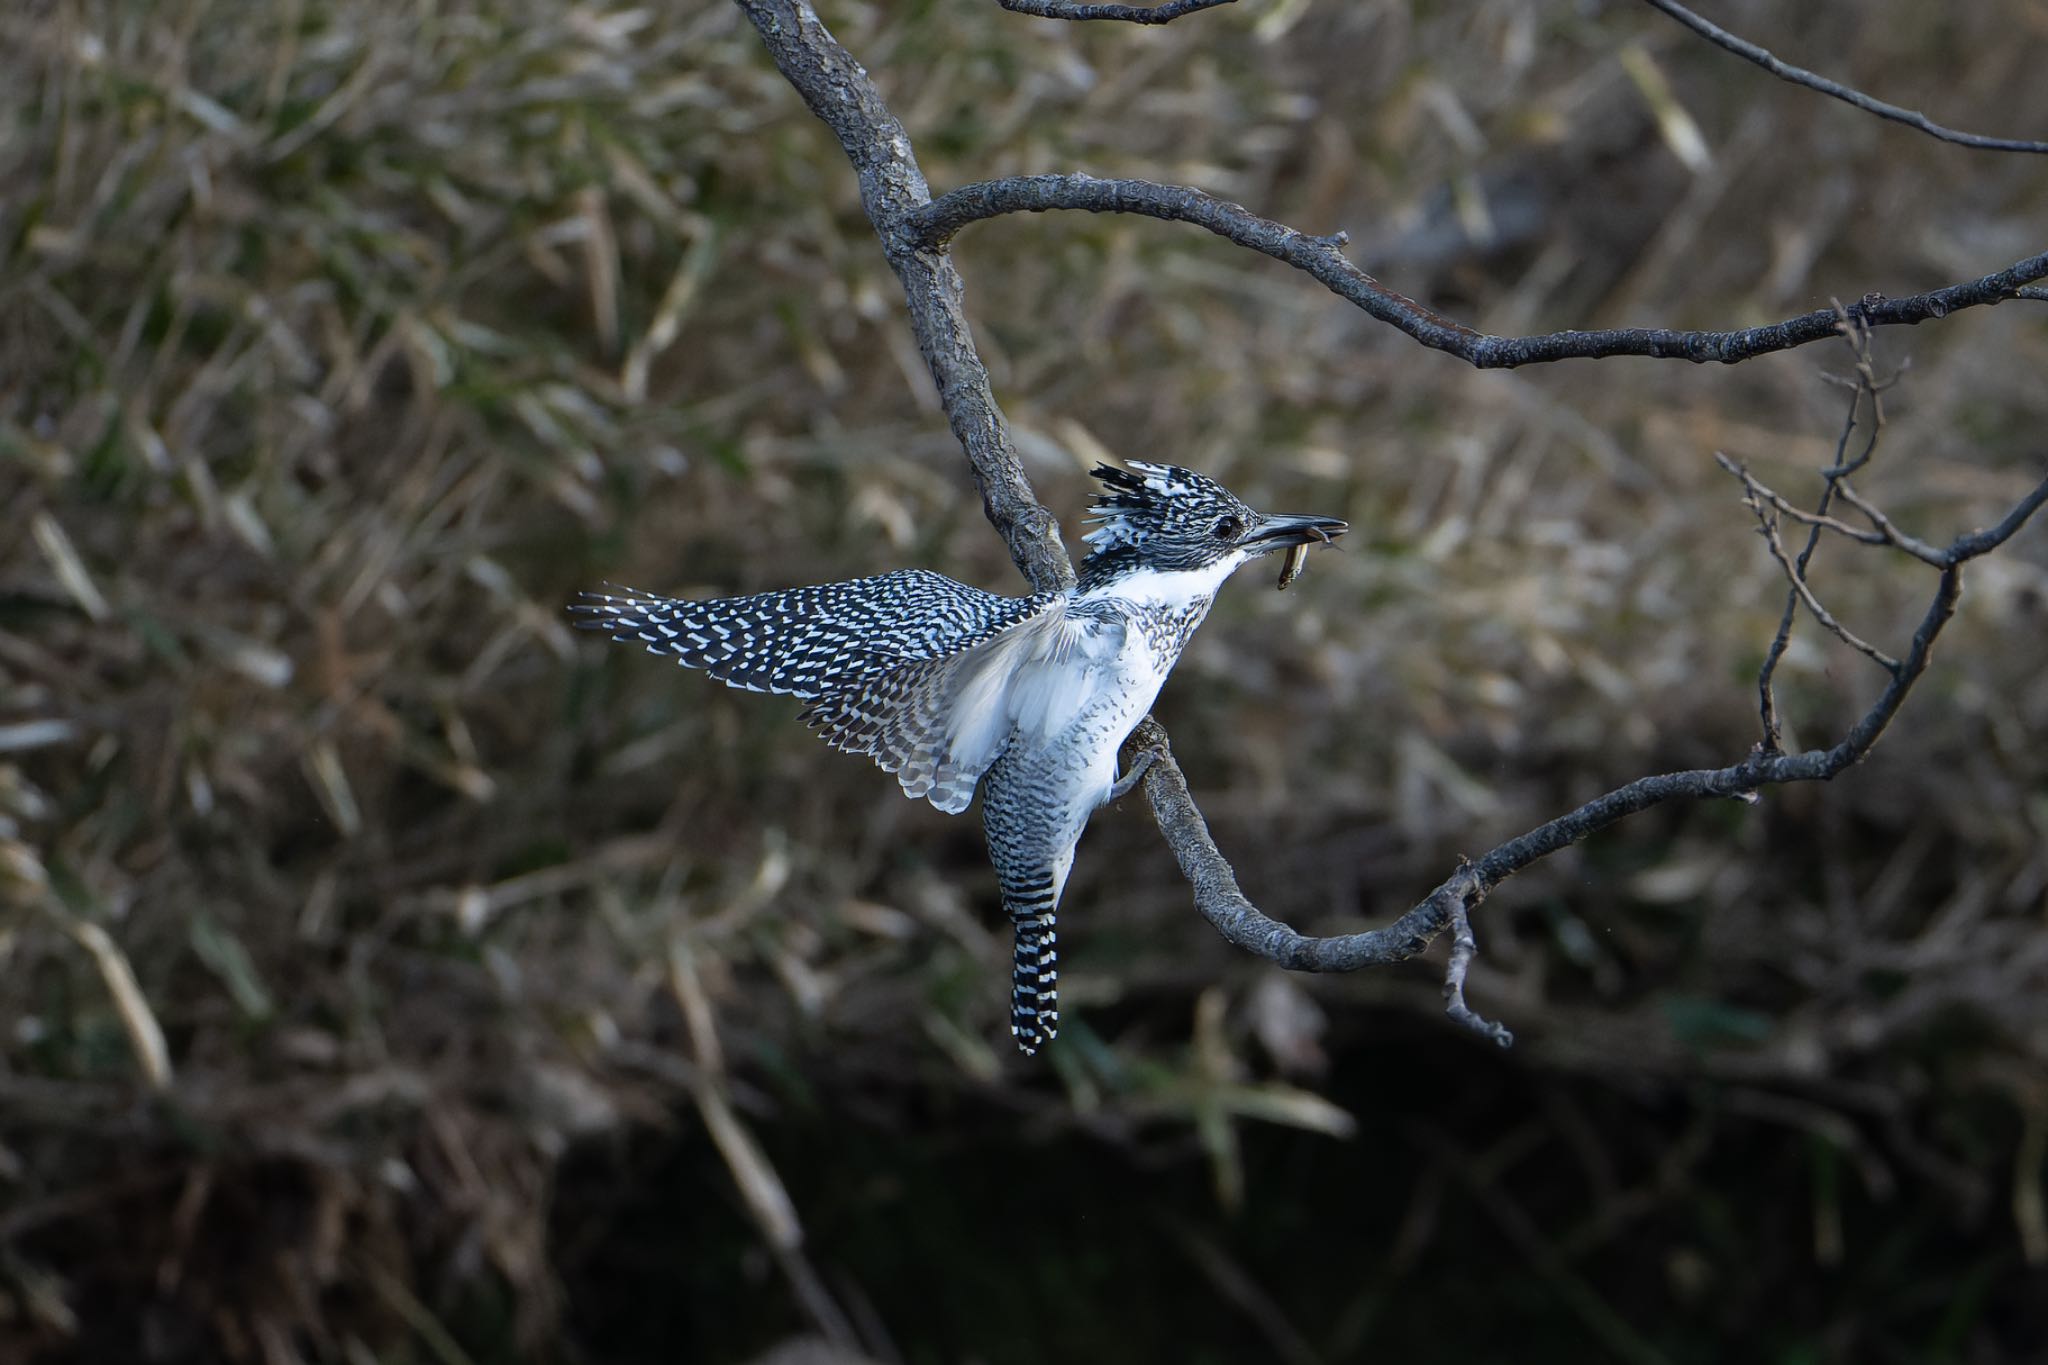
<point>1281,532</point>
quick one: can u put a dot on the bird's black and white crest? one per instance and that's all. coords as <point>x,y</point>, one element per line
<point>1161,515</point>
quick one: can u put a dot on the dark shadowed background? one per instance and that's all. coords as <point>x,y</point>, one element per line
<point>387,974</point>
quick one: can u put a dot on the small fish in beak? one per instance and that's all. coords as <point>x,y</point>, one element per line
<point>1293,565</point>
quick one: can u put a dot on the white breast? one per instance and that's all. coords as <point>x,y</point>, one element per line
<point>1172,590</point>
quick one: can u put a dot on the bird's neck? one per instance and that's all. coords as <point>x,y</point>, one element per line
<point>1105,566</point>
<point>1169,602</point>
<point>1122,572</point>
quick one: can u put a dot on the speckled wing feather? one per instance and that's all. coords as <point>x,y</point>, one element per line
<point>875,657</point>
<point>939,723</point>
<point>808,642</point>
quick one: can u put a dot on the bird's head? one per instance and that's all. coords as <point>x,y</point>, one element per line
<point>1172,520</point>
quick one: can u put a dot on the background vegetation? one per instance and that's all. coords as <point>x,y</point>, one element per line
<point>386,975</point>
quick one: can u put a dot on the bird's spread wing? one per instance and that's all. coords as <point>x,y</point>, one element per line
<point>808,642</point>
<point>939,723</point>
<point>910,668</point>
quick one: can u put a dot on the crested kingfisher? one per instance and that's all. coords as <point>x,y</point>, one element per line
<point>949,687</point>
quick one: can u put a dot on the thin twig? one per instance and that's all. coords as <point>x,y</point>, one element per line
<point>1164,13</point>
<point>1465,947</point>
<point>1778,501</point>
<point>892,187</point>
<point>1979,543</point>
<point>1799,75</point>
<point>1856,331</point>
<point>1768,526</point>
<point>1767,672</point>
<point>1323,259</point>
<point>1886,532</point>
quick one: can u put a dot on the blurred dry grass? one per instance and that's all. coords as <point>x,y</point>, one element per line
<point>350,909</point>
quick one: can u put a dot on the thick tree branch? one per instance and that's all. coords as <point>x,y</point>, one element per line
<point>1163,13</point>
<point>1323,259</point>
<point>892,188</point>
<point>1799,75</point>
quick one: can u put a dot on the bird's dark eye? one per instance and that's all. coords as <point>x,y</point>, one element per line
<point>1227,528</point>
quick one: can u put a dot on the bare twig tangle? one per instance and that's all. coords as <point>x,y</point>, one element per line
<point>1863,384</point>
<point>1785,507</point>
<point>1767,526</point>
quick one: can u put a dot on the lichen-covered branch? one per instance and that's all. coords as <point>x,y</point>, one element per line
<point>1323,259</point>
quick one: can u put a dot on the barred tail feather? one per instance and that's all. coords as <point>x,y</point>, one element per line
<point>1034,971</point>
